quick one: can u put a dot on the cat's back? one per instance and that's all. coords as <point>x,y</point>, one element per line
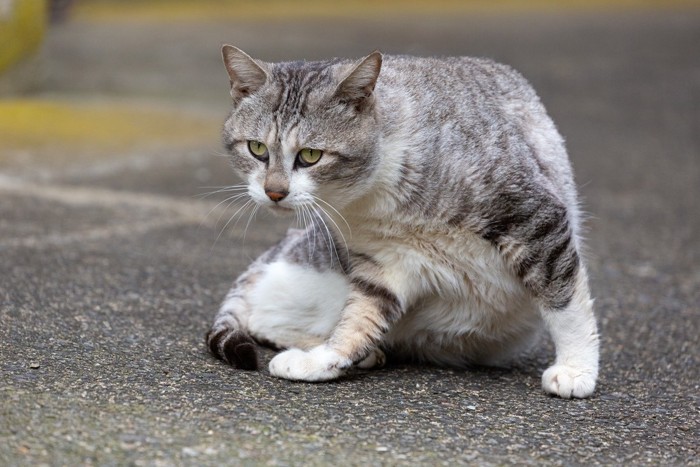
<point>468,124</point>
<point>476,104</point>
<point>446,80</point>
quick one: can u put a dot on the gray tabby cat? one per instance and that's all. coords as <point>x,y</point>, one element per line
<point>441,212</point>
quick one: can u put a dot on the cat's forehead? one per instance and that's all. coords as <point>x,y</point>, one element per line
<point>292,95</point>
<point>295,104</point>
<point>296,86</point>
<point>301,71</point>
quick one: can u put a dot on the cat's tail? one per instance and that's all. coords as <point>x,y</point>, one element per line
<point>233,346</point>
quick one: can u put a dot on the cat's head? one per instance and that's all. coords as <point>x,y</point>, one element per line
<point>302,131</point>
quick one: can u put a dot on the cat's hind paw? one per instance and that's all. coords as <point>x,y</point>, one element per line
<point>318,364</point>
<point>376,359</point>
<point>569,381</point>
<point>234,347</point>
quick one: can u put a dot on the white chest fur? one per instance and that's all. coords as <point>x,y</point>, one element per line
<point>449,281</point>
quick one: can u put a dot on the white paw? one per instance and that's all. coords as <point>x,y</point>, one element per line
<point>569,381</point>
<point>376,359</point>
<point>317,364</point>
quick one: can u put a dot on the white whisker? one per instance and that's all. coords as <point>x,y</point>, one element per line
<point>230,200</point>
<point>250,218</point>
<point>311,230</point>
<point>332,245</point>
<point>221,189</point>
<point>340,232</point>
<point>302,222</point>
<point>216,187</point>
<point>221,154</point>
<point>334,210</point>
<point>235,214</point>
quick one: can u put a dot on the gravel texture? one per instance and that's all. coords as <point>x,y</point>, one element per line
<point>111,270</point>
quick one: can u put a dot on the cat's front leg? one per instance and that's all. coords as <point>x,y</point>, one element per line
<point>370,310</point>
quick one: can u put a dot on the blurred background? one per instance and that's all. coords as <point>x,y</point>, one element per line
<point>98,87</point>
<point>111,269</point>
<point>131,94</point>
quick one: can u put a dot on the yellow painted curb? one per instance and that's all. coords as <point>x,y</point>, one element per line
<point>66,129</point>
<point>260,11</point>
<point>22,27</point>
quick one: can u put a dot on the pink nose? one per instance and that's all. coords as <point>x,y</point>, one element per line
<point>276,195</point>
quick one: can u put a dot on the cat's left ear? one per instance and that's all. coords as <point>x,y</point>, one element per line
<point>357,87</point>
<point>246,75</point>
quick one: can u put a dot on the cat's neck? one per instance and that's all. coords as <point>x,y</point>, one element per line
<point>381,198</point>
<point>384,201</point>
<point>393,149</point>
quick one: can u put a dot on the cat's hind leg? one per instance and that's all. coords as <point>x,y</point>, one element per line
<point>227,340</point>
<point>283,305</point>
<point>375,359</point>
<point>296,305</point>
<point>287,299</point>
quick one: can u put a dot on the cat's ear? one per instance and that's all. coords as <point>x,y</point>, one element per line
<point>246,75</point>
<point>357,87</point>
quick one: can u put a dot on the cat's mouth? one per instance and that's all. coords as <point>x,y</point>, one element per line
<point>281,210</point>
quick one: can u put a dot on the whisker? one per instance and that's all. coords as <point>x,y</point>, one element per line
<point>311,230</point>
<point>207,187</point>
<point>340,232</point>
<point>230,200</point>
<point>314,225</point>
<point>220,154</point>
<point>334,210</point>
<point>221,189</point>
<point>330,241</point>
<point>250,218</point>
<point>235,214</point>
<point>303,224</point>
<point>301,220</point>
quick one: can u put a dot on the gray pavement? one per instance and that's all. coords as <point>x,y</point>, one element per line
<point>111,270</point>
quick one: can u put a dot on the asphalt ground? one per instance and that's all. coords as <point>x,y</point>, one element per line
<point>112,269</point>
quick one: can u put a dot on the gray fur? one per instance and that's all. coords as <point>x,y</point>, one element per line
<point>424,148</point>
<point>479,171</point>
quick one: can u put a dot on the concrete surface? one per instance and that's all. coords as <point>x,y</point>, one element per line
<point>111,270</point>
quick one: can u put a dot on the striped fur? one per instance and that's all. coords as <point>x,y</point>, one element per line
<point>442,219</point>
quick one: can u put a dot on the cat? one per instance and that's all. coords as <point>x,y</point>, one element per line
<point>442,222</point>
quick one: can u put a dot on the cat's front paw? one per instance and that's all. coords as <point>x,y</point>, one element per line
<point>569,381</point>
<point>318,364</point>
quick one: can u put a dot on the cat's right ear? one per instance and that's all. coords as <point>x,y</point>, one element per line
<point>245,74</point>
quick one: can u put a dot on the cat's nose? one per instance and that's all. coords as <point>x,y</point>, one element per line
<point>276,195</point>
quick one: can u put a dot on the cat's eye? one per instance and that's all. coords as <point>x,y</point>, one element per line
<point>257,149</point>
<point>308,156</point>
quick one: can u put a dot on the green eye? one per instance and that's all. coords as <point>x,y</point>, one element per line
<point>257,149</point>
<point>308,156</point>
